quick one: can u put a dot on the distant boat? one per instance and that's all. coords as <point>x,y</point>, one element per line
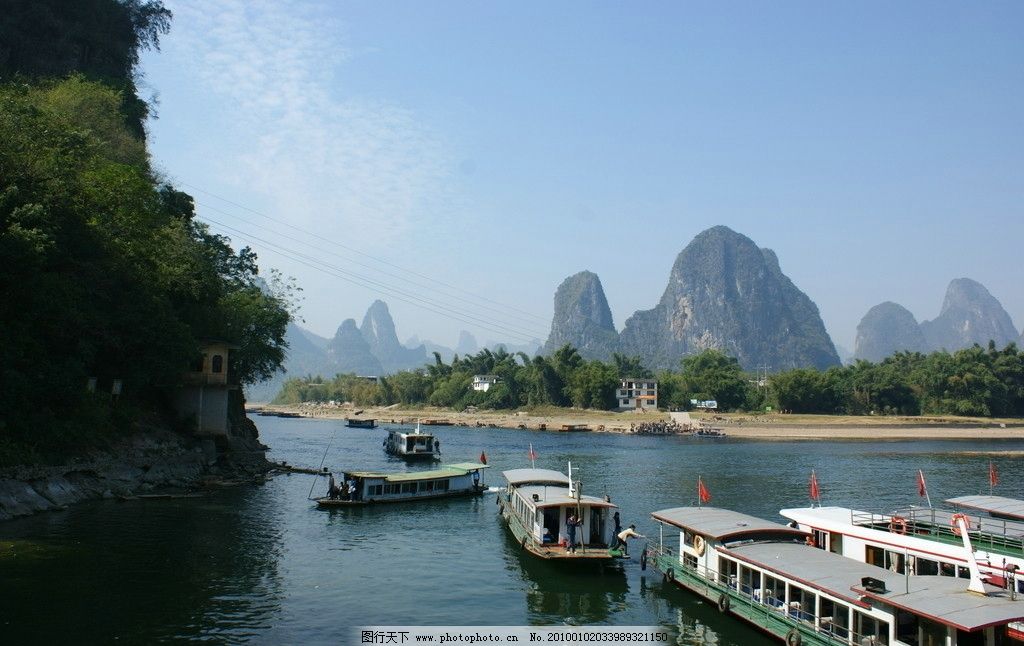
<point>708,433</point>
<point>536,506</point>
<point>461,479</point>
<point>414,445</point>
<point>352,422</point>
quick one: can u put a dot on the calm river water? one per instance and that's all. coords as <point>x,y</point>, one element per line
<point>262,564</point>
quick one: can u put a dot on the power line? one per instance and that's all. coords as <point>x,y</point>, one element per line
<point>336,272</point>
<point>337,255</point>
<point>361,253</point>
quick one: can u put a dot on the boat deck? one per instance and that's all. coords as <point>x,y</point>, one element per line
<point>991,534</point>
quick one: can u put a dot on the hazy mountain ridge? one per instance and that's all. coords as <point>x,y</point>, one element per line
<point>969,315</point>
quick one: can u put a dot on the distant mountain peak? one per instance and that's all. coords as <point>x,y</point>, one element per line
<point>888,328</point>
<point>726,293</point>
<point>969,315</point>
<point>582,318</point>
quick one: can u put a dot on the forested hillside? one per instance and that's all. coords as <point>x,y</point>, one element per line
<point>106,272</point>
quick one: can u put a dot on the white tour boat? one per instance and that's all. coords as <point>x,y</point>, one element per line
<point>768,575</point>
<point>462,479</point>
<point>920,540</point>
<point>412,445</point>
<point>536,506</point>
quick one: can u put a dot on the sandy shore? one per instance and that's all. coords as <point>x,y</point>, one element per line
<point>776,426</point>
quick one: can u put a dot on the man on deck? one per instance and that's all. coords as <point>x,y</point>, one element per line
<point>629,532</point>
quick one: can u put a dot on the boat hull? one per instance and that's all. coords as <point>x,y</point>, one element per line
<point>336,502</point>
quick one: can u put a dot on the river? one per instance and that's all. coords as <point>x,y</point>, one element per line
<point>261,564</point>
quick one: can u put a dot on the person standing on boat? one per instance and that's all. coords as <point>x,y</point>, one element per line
<point>437,447</point>
<point>476,479</point>
<point>333,490</point>
<point>623,535</point>
<point>352,489</point>
<point>571,523</point>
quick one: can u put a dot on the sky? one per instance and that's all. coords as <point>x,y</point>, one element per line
<point>458,160</point>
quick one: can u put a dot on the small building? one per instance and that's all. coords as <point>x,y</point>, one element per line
<point>636,393</point>
<point>204,392</point>
<point>483,383</point>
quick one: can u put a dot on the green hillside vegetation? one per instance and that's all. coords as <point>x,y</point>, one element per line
<point>107,274</point>
<point>985,382</point>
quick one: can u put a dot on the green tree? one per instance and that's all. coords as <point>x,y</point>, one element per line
<point>714,375</point>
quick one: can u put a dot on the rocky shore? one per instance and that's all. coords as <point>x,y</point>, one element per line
<point>153,460</point>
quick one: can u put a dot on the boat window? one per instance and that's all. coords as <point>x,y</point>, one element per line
<point>866,628</point>
<point>907,625</point>
<point>835,618</point>
<point>947,569</point>
<point>820,538</point>
<point>688,538</point>
<point>932,633</point>
<point>689,560</point>
<point>750,580</point>
<point>442,485</point>
<point>963,572</point>
<point>774,592</point>
<point>894,561</point>
<point>409,487</point>
<point>926,566</point>
<point>874,556</point>
<point>728,572</point>
<point>835,543</point>
<point>376,490</point>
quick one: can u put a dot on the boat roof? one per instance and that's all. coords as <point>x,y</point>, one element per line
<point>996,505</point>
<point>939,598</point>
<point>405,431</point>
<point>559,497</point>
<point>524,476</point>
<point>446,471</point>
<point>720,524</point>
<point>997,527</point>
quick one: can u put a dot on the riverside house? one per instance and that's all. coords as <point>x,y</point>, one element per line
<point>637,393</point>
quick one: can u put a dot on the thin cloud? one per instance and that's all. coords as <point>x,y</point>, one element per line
<point>350,166</point>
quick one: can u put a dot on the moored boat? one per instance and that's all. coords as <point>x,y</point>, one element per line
<point>537,506</point>
<point>768,575</point>
<point>919,540</point>
<point>353,422</point>
<point>414,445</point>
<point>369,487</point>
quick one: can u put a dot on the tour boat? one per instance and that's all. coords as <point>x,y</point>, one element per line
<point>921,540</point>
<point>768,575</point>
<point>353,422</point>
<point>536,506</point>
<point>462,479</point>
<point>414,445</point>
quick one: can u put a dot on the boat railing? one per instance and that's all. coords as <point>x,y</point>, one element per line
<point>926,522</point>
<point>763,606</point>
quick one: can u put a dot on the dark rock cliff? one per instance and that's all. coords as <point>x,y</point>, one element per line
<point>582,318</point>
<point>726,293</point>
<point>885,329</point>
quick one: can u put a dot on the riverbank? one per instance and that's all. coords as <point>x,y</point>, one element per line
<point>766,426</point>
<point>155,460</point>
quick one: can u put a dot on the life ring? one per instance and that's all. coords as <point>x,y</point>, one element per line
<point>699,545</point>
<point>793,637</point>
<point>723,602</point>
<point>898,525</point>
<point>956,526</point>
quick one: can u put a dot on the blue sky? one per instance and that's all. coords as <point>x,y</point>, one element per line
<point>878,148</point>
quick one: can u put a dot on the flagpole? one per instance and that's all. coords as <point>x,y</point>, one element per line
<point>699,497</point>
<point>924,485</point>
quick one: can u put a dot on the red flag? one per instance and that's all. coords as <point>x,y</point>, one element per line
<point>532,454</point>
<point>922,488</point>
<point>993,476</point>
<point>483,458</point>
<point>815,490</point>
<point>702,491</point>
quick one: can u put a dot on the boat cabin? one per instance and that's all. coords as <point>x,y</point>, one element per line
<point>919,540</point>
<point>537,504</point>
<point>772,577</point>
<point>414,444</point>
<point>362,487</point>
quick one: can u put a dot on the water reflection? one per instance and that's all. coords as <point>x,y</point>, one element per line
<point>568,593</point>
<point>145,571</point>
